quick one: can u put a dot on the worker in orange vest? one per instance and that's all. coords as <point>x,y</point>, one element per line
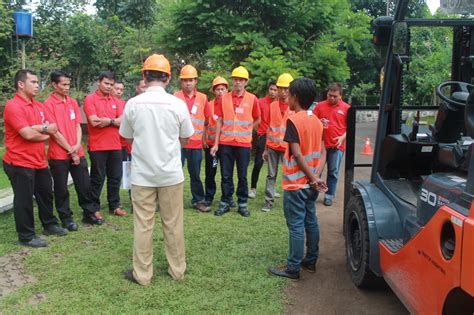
<point>260,138</point>
<point>304,157</point>
<point>219,88</point>
<point>198,107</point>
<point>238,114</point>
<point>275,147</point>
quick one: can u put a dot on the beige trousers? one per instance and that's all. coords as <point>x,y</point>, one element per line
<point>170,201</point>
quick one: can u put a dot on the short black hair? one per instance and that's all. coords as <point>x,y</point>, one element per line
<point>137,82</point>
<point>272,82</point>
<point>56,75</point>
<point>21,75</point>
<point>119,82</point>
<point>304,90</point>
<point>152,75</point>
<point>335,87</point>
<point>107,74</point>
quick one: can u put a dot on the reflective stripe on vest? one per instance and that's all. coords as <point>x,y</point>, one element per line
<point>298,175</point>
<point>277,127</point>
<point>211,126</point>
<point>237,122</point>
<point>307,159</point>
<point>198,117</point>
<point>310,131</point>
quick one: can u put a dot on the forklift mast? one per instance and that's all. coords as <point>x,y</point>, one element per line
<point>390,110</point>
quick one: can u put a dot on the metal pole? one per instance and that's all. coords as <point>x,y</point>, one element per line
<point>23,55</point>
<point>388,6</point>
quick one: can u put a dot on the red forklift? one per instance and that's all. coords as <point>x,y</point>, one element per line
<point>412,223</point>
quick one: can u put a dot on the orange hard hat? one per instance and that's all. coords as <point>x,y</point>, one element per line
<point>188,72</point>
<point>157,63</point>
<point>218,81</point>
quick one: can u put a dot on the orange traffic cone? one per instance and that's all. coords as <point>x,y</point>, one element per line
<point>367,149</point>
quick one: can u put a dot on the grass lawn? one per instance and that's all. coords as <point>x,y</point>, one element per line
<point>226,257</point>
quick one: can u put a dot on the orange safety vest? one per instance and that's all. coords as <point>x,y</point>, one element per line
<point>310,132</point>
<point>277,127</point>
<point>197,113</point>
<point>237,124</point>
<point>211,126</point>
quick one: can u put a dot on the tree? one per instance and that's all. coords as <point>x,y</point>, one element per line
<point>361,90</point>
<point>268,37</point>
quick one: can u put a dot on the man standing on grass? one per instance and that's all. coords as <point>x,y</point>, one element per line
<point>219,88</point>
<point>301,180</point>
<point>104,113</point>
<point>261,137</point>
<point>333,114</point>
<point>198,107</point>
<point>24,162</point>
<point>65,153</point>
<point>158,124</point>
<point>238,114</point>
<point>275,146</point>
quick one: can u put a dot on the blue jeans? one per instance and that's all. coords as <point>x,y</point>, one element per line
<point>333,160</point>
<point>194,158</point>
<point>230,155</point>
<point>300,213</point>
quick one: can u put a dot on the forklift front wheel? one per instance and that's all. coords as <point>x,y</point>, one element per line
<point>358,244</point>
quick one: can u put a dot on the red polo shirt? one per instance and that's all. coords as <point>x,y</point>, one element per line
<point>334,119</point>
<point>66,115</point>
<point>195,144</point>
<point>107,138</point>
<point>236,100</point>
<point>20,113</point>
<point>123,141</point>
<point>264,104</point>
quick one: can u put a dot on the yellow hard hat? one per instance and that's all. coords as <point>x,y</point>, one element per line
<point>240,72</point>
<point>218,81</point>
<point>284,80</point>
<point>157,63</point>
<point>188,72</point>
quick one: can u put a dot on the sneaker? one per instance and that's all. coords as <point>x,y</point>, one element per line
<point>277,195</point>
<point>208,203</point>
<point>232,204</point>
<point>252,193</point>
<point>118,212</point>
<point>35,242</point>
<point>223,209</point>
<point>284,272</point>
<point>309,267</point>
<point>267,206</point>
<point>327,202</point>
<point>94,219</point>
<point>55,230</point>
<point>244,211</point>
<point>70,225</point>
<point>128,275</point>
<point>201,207</point>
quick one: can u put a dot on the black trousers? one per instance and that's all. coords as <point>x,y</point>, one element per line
<point>80,175</point>
<point>106,163</point>
<point>210,181</point>
<point>26,183</point>
<point>230,156</point>
<point>257,166</point>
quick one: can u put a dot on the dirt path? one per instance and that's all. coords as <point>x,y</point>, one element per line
<point>330,290</point>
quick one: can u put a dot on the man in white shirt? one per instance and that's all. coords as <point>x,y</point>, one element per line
<point>158,123</point>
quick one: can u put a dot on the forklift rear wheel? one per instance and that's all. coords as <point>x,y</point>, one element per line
<point>358,244</point>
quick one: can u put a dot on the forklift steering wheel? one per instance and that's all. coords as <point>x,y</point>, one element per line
<point>463,86</point>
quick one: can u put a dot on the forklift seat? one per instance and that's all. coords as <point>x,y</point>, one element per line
<point>402,158</point>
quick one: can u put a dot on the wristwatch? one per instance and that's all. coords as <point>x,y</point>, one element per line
<point>112,121</point>
<point>45,129</point>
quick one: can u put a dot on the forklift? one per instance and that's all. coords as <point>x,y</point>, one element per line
<point>412,223</point>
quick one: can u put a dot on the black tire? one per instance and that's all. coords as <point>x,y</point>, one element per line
<point>358,244</point>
